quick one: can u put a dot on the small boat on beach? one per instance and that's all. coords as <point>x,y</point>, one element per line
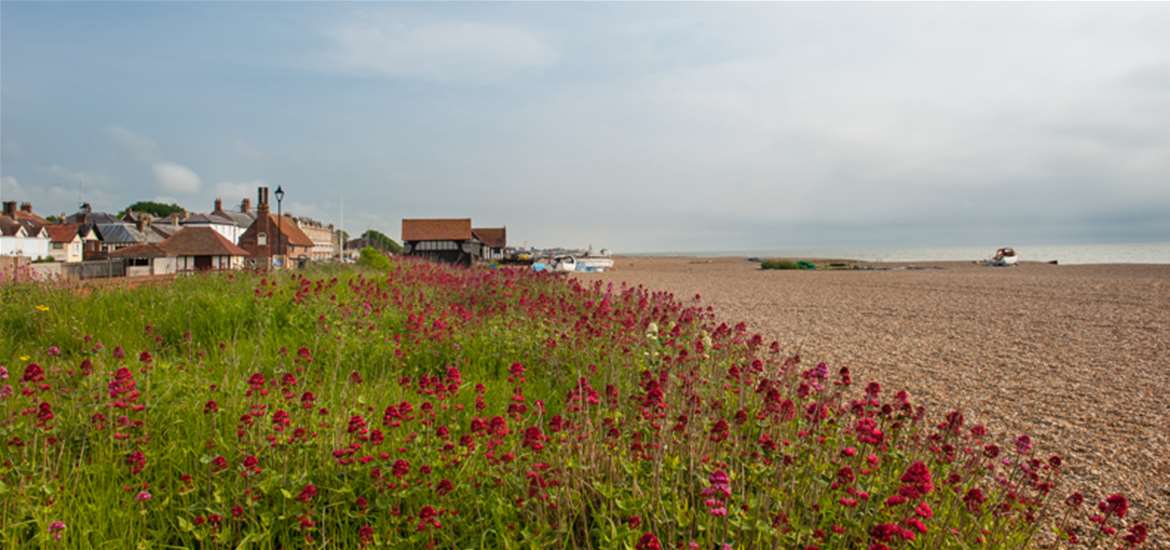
<point>1004,257</point>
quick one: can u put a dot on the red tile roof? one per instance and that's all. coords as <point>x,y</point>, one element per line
<point>292,234</point>
<point>200,241</point>
<point>140,251</point>
<point>62,232</point>
<point>31,217</point>
<point>495,237</point>
<point>436,229</point>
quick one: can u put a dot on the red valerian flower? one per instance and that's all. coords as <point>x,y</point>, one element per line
<point>307,493</point>
<point>1116,505</point>
<point>1137,534</point>
<point>428,517</point>
<point>1023,444</point>
<point>137,461</point>
<point>649,542</point>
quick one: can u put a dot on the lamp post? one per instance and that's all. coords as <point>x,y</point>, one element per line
<point>279,222</point>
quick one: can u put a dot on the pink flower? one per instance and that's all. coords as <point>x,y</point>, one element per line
<point>56,528</point>
<point>143,496</point>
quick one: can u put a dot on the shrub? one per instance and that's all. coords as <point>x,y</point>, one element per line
<point>372,258</point>
<point>455,408</point>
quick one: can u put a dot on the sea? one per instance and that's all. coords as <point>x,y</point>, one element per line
<point>1113,253</point>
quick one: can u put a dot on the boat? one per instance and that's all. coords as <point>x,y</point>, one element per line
<point>587,263</point>
<point>1004,257</point>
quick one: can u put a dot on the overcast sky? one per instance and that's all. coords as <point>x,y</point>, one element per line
<point>641,127</point>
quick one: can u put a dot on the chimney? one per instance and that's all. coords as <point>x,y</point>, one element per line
<point>218,205</point>
<point>262,201</point>
<point>140,223</point>
<point>10,209</point>
<point>246,206</point>
<point>26,207</point>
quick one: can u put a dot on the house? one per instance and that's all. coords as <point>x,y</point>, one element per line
<point>25,239</point>
<point>114,236</point>
<point>65,242</point>
<point>271,239</point>
<point>87,221</point>
<point>231,225</point>
<point>325,239</point>
<point>203,249</point>
<point>446,240</point>
<point>189,249</point>
<point>494,239</point>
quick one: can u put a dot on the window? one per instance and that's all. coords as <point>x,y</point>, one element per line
<point>58,246</point>
<point>261,239</point>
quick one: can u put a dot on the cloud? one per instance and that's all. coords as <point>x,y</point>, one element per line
<point>142,147</point>
<point>440,51</point>
<point>235,191</point>
<point>10,187</point>
<point>176,178</point>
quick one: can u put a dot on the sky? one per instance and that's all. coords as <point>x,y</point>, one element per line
<point>636,127</point>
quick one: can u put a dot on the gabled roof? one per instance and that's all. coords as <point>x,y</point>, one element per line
<point>495,237</point>
<point>94,218</point>
<point>23,216</point>
<point>62,232</point>
<point>10,227</point>
<point>150,250</point>
<point>292,234</point>
<point>436,229</point>
<point>116,233</point>
<point>241,219</point>
<point>210,218</point>
<point>200,241</point>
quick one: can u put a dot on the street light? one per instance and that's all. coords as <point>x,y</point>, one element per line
<point>279,222</point>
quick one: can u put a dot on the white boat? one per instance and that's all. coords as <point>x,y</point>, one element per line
<point>1004,257</point>
<point>586,264</point>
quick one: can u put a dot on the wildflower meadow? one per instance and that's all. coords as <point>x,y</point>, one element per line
<point>421,405</point>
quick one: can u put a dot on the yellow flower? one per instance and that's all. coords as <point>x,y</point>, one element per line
<point>42,308</point>
<point>23,358</point>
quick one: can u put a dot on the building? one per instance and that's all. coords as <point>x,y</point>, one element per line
<point>27,239</point>
<point>190,249</point>
<point>146,259</point>
<point>114,236</point>
<point>65,242</point>
<point>272,241</point>
<point>324,237</point>
<point>87,221</point>
<point>203,249</point>
<point>446,240</point>
<point>494,239</point>
<point>231,225</point>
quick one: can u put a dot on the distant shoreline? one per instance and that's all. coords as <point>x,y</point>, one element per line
<point>1068,254</point>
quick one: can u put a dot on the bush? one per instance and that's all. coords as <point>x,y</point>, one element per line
<point>372,258</point>
<point>475,408</point>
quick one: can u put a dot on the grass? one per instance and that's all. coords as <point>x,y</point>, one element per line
<point>422,405</point>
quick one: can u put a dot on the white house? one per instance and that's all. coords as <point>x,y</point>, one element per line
<point>65,242</point>
<point>230,225</point>
<point>23,239</point>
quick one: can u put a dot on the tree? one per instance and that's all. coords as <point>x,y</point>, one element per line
<point>380,241</point>
<point>156,209</point>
